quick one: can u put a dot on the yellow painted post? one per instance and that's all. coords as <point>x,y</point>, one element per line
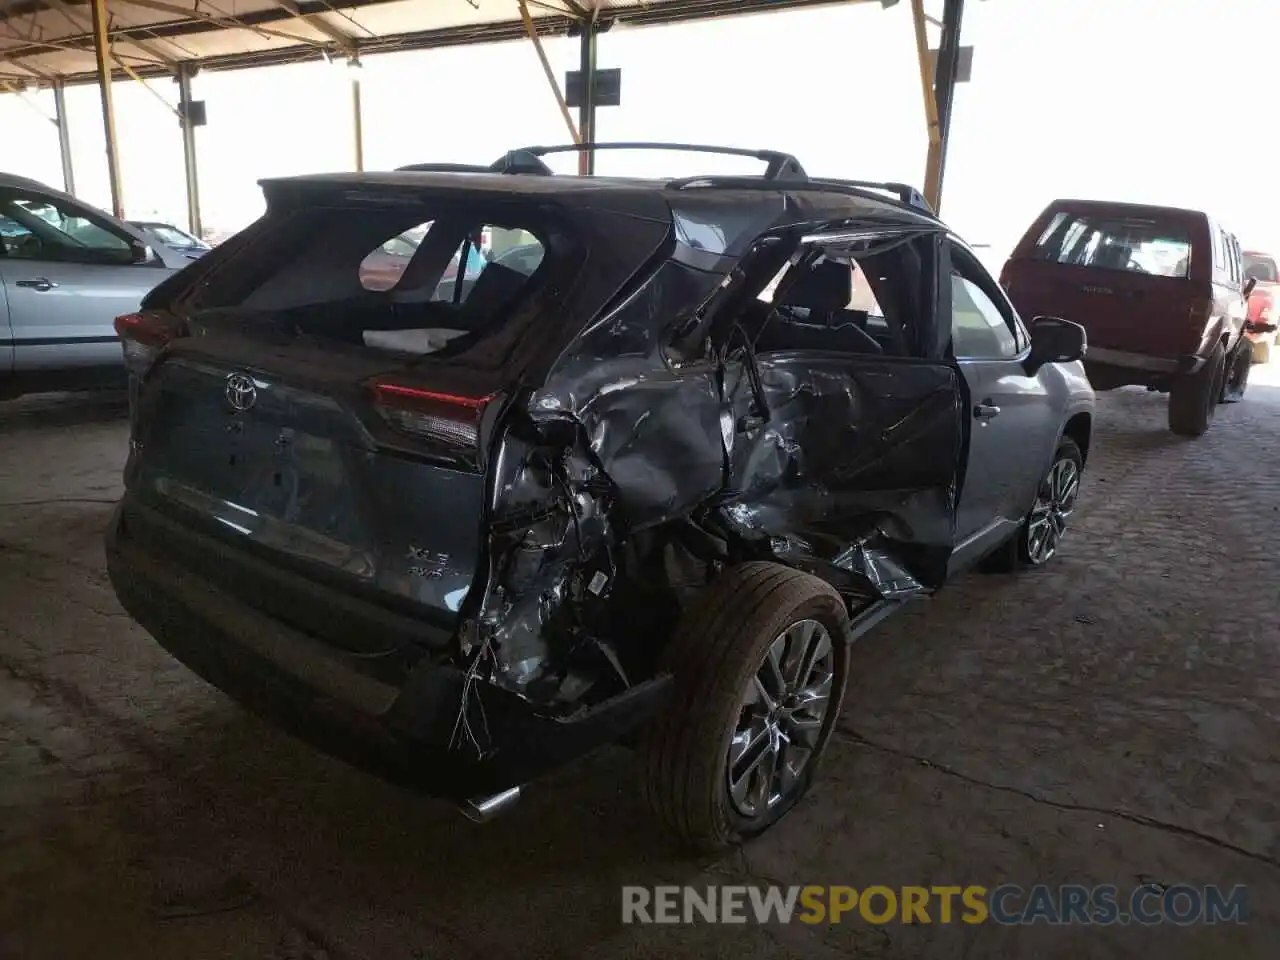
<point>102,50</point>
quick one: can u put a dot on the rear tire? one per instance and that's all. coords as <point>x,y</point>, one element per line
<point>1236,378</point>
<point>730,701</point>
<point>1194,397</point>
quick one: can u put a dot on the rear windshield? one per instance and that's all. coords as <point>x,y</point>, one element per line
<point>1116,243</point>
<point>402,278</point>
<point>1262,269</point>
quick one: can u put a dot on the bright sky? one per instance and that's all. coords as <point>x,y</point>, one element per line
<point>1142,100</point>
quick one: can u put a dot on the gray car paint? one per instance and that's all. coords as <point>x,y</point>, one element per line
<point>67,325</point>
<point>645,432</point>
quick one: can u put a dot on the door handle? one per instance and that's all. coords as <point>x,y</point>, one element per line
<point>985,411</point>
<point>39,283</point>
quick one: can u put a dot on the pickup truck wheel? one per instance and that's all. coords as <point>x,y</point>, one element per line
<point>1237,378</point>
<point>1046,524</point>
<point>761,661</point>
<point>1195,396</point>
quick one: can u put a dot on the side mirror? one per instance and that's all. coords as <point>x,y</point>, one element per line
<point>1054,340</point>
<point>1249,285</point>
<point>141,253</point>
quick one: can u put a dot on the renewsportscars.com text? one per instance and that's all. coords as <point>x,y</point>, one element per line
<point>1149,904</point>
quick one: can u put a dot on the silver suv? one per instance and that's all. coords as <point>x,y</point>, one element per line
<point>66,271</point>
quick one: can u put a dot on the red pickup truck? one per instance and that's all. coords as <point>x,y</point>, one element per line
<point>1263,307</point>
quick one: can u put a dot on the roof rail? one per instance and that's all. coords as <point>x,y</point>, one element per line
<point>852,188</point>
<point>903,191</point>
<point>443,168</point>
<point>779,166</point>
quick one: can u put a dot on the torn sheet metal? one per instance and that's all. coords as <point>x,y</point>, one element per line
<point>842,465</point>
<point>654,428</point>
<point>855,468</point>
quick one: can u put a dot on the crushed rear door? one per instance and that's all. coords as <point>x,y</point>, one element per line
<point>853,475</point>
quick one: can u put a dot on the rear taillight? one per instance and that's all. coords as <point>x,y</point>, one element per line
<point>143,335</point>
<point>430,415</point>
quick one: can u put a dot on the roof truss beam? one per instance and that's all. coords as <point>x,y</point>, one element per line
<point>340,36</point>
<point>554,18</point>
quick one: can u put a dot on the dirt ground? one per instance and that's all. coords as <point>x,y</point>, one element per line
<point>1112,719</point>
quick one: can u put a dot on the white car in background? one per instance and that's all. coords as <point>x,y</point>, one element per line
<point>175,238</point>
<point>67,270</point>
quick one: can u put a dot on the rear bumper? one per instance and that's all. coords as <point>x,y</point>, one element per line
<point>1125,360</point>
<point>1260,331</point>
<point>410,735</point>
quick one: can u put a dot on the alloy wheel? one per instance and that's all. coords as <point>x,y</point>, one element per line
<point>783,710</point>
<point>1048,521</point>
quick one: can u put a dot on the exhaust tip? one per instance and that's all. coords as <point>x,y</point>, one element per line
<point>484,809</point>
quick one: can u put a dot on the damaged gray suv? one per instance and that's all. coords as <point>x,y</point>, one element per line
<point>603,461</point>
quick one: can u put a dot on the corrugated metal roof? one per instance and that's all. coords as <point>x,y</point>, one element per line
<point>46,40</point>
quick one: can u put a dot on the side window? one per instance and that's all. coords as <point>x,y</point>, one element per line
<point>520,258</point>
<point>517,249</point>
<point>979,329</point>
<point>1221,257</point>
<point>39,228</point>
<point>382,268</point>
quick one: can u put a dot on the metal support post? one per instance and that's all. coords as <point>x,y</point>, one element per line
<point>945,79</point>
<point>64,136</point>
<point>587,107</point>
<point>357,120</point>
<point>185,72</point>
<point>933,164</point>
<point>532,32</point>
<point>102,50</point>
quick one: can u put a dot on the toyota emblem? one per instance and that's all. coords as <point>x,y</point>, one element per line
<point>241,392</point>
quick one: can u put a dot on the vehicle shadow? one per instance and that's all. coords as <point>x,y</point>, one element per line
<point>63,409</point>
<point>1137,418</point>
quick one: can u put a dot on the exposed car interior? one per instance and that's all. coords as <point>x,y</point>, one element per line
<point>843,298</point>
<point>447,295</point>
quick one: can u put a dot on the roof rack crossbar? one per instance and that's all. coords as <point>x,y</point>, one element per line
<point>779,165</point>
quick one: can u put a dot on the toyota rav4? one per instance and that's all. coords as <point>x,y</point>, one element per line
<point>642,483</point>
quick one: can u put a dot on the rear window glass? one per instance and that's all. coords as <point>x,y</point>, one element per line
<point>383,267</point>
<point>1116,243</point>
<point>385,277</point>
<point>1262,269</point>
